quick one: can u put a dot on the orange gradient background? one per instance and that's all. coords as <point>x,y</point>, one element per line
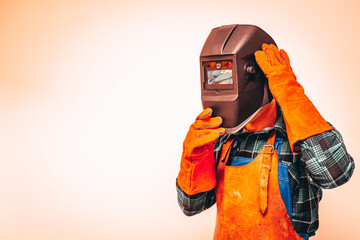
<point>96,98</point>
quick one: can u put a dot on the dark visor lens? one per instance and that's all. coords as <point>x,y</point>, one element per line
<point>219,72</point>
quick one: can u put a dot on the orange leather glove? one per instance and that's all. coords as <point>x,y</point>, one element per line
<point>197,167</point>
<point>301,117</point>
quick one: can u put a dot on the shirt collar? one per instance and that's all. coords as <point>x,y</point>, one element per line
<point>279,126</point>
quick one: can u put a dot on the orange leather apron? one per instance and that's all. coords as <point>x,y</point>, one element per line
<point>249,204</point>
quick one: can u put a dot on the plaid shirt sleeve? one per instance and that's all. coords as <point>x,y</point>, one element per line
<point>327,162</point>
<point>194,204</point>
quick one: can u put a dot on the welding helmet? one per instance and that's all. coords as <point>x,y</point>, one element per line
<point>232,83</point>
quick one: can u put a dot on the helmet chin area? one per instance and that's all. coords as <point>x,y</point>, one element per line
<point>266,100</point>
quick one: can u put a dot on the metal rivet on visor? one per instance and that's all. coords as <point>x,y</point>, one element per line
<point>250,70</point>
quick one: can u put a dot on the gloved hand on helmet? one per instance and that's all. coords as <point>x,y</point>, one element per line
<point>301,117</point>
<point>197,167</point>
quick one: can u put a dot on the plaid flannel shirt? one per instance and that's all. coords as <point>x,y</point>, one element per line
<point>322,163</point>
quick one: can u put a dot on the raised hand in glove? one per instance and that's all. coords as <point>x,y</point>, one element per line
<point>197,167</point>
<point>301,117</point>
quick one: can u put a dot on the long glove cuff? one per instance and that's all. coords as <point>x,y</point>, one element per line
<point>197,171</point>
<point>301,117</point>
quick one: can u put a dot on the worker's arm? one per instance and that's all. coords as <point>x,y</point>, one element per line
<point>323,151</point>
<point>196,179</point>
<point>302,119</point>
<point>326,159</point>
<point>194,204</point>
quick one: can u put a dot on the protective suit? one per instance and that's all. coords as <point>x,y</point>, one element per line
<point>265,166</point>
